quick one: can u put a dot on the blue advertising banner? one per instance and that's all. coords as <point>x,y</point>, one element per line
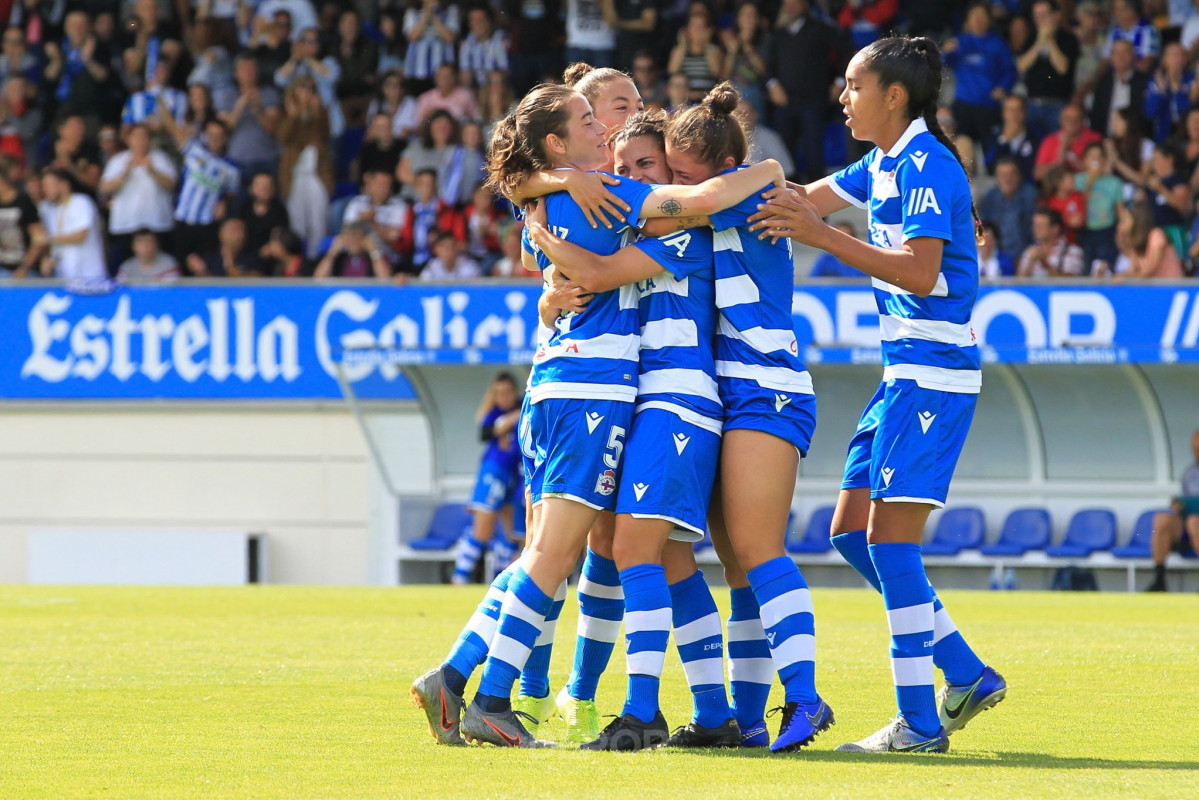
<point>273,342</point>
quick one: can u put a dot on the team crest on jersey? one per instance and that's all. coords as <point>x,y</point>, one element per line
<point>884,186</point>
<point>606,483</point>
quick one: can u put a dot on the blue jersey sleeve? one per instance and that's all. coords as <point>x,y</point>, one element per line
<point>633,193</point>
<point>735,216</point>
<point>926,186</point>
<point>680,253</point>
<point>852,184</point>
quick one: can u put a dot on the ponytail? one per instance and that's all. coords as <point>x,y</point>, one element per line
<point>710,132</point>
<point>518,142</point>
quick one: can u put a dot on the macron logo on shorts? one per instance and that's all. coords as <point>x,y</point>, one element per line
<point>780,400</point>
<point>680,442</point>
<point>888,473</point>
<point>926,420</point>
<point>639,490</point>
<point>593,421</point>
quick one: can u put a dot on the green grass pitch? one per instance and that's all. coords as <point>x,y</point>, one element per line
<point>302,692</point>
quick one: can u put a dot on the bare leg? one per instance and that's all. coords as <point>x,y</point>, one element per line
<point>757,478</point>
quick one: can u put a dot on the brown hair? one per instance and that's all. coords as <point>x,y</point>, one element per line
<point>643,123</point>
<point>518,142</point>
<point>589,81</point>
<point>710,131</point>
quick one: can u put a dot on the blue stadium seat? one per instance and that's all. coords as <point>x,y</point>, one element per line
<point>815,538</point>
<point>1024,529</point>
<point>450,521</point>
<point>1140,544</point>
<point>958,529</point>
<point>1090,530</point>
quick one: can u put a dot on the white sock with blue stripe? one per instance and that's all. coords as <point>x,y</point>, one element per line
<point>751,671</point>
<point>909,601</point>
<point>647,631</point>
<point>521,619</point>
<point>535,677</point>
<point>786,610</point>
<point>470,650</point>
<point>698,637</point>
<point>470,550</point>
<point>601,609</point>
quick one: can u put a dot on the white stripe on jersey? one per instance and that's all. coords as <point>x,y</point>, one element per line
<point>893,328</point>
<point>781,379</point>
<point>685,414</point>
<point>727,239</point>
<point>736,291</point>
<point>693,382</point>
<point>582,391</point>
<point>942,379</point>
<point>941,289</point>
<point>844,195</point>
<point>659,333</point>
<point>764,340</point>
<point>665,282</point>
<point>607,345</point>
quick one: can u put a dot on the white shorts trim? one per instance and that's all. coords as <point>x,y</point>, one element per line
<point>685,414</point>
<point>567,390</point>
<point>941,379</point>
<point>564,496</point>
<point>926,500</point>
<point>682,531</point>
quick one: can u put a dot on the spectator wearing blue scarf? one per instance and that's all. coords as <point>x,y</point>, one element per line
<point>1171,92</point>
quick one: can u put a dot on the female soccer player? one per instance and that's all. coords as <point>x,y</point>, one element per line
<point>923,261</point>
<point>499,486</point>
<point>584,381</point>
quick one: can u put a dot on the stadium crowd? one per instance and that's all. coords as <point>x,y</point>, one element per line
<point>154,139</point>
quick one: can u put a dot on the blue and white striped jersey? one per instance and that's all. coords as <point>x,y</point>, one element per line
<point>593,354</point>
<point>430,51</point>
<point>756,335</point>
<point>479,58</point>
<point>916,189</point>
<point>142,105</point>
<point>677,310</point>
<point>206,179</point>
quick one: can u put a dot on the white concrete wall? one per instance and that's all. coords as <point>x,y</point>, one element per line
<point>300,473</point>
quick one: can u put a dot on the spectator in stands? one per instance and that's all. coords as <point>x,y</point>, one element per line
<point>484,49</point>
<point>511,265</point>
<point>197,116</point>
<point>72,224</point>
<point>325,74</point>
<point>1050,255</point>
<point>16,60</point>
<point>1010,205</point>
<point>1129,25</point>
<point>22,238</point>
<point>358,59</point>
<point>1169,196</point>
<point>157,100</point>
<point>1064,197</point>
<point>306,166</point>
<point>230,259</point>
<point>829,266</point>
<point>393,43</point>
<point>209,181</point>
<point>1103,193</point>
<point>496,100</point>
<point>532,25</point>
<point>464,167</point>
<point>984,72</point>
<point>146,41</point>
<point>108,145</point>
<point>432,32</point>
<point>867,19</point>
<point>1145,249</point>
<point>427,214</point>
<point>1046,66</point>
<point>19,115</point>
<point>648,79</point>
<point>262,213</point>
<point>1065,145</point>
<point>77,68</point>
<point>253,121</point>
<point>439,135</point>
<point>384,212</point>
<point>381,150</point>
<point>214,71</point>
<point>299,12</point>
<point>271,46</point>
<point>148,264</point>
<point>764,143</point>
<point>483,228</point>
<point>448,263</point>
<point>1128,150</point>
<point>1170,526</point>
<point>590,37</point>
<point>1013,139</point>
<point>1120,85</point>
<point>77,154</point>
<point>287,256</point>
<point>447,95</point>
<point>140,186</point>
<point>678,92</point>
<point>635,22</point>
<point>1190,33</point>
<point>993,263</point>
<point>393,101</point>
<point>1171,92</point>
<point>1189,145</point>
<point>1091,31</point>
<point>697,56</point>
<point>743,64</point>
<point>801,55</point>
<point>353,254</point>
<point>964,144</point>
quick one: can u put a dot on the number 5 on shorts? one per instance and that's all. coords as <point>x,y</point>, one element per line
<point>612,459</point>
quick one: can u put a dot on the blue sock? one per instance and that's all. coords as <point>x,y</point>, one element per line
<point>503,553</point>
<point>701,648</point>
<point>521,617</point>
<point>535,677</point>
<point>909,601</point>
<point>751,672</point>
<point>647,631</point>
<point>786,609</point>
<point>475,640</point>
<point>951,654</point>
<point>470,550</point>
<point>601,608</point>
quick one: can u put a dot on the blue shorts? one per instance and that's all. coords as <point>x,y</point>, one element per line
<point>494,488</point>
<point>789,416</point>
<point>524,437</point>
<point>908,442</point>
<point>669,469</point>
<point>578,446</point>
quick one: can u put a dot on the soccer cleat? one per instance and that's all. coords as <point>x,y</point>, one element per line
<point>442,707</point>
<point>897,737</point>
<point>501,728</point>
<point>695,735</point>
<point>957,705</point>
<point>538,709</point>
<point>580,716</point>
<point>800,726</point>
<point>755,735</point>
<point>629,734</point>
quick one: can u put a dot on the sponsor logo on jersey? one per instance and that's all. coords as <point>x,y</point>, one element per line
<point>922,199</point>
<point>918,158</point>
<point>606,483</point>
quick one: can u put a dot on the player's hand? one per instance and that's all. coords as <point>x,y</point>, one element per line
<point>590,192</point>
<point>566,295</point>
<point>790,216</point>
<point>535,212</point>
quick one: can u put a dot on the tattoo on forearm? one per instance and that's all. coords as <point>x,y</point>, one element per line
<point>671,208</point>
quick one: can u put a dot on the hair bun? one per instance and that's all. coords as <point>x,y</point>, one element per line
<point>576,72</point>
<point>929,49</point>
<point>722,100</point>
